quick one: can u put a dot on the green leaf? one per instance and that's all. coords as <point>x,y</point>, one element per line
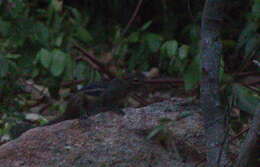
<point>4,27</point>
<point>247,100</point>
<point>251,45</point>
<point>169,48</point>
<point>227,78</point>
<point>4,66</point>
<point>37,59</point>
<point>83,35</point>
<point>194,33</point>
<point>256,9</point>
<point>117,35</point>
<point>76,14</point>
<point>59,40</point>
<point>155,131</point>
<point>58,62</point>
<point>96,76</point>
<point>35,72</point>
<point>192,74</point>
<point>183,51</point>
<point>40,33</point>
<point>229,43</point>
<point>70,67</point>
<point>12,56</point>
<point>146,25</point>
<point>176,66</point>
<point>165,120</point>
<point>12,66</point>
<point>140,57</point>
<point>121,51</point>
<point>183,115</point>
<point>45,57</point>
<point>56,5</point>
<point>134,37</point>
<point>153,41</point>
<point>81,70</point>
<point>246,34</point>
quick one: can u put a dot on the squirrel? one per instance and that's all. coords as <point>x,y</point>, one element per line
<point>93,99</point>
<point>99,97</point>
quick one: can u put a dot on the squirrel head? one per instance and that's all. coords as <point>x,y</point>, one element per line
<point>134,78</point>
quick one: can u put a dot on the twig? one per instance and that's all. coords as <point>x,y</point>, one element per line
<point>251,88</point>
<point>133,17</point>
<point>190,11</point>
<point>128,25</point>
<point>160,81</point>
<point>140,99</point>
<point>238,135</point>
<point>248,61</point>
<point>70,83</point>
<point>102,68</point>
<point>241,74</point>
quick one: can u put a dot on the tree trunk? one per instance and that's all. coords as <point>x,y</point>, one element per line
<point>211,49</point>
<point>250,150</point>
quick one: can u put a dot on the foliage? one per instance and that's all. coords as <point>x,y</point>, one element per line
<point>249,39</point>
<point>37,41</point>
<point>36,44</point>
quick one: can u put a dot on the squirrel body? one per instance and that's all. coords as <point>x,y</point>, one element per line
<point>99,97</point>
<point>91,100</point>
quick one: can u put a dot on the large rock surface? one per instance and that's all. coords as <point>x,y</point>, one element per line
<point>113,140</point>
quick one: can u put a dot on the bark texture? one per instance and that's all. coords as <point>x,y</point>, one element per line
<point>211,49</point>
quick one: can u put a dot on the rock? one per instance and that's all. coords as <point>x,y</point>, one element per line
<point>112,140</point>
